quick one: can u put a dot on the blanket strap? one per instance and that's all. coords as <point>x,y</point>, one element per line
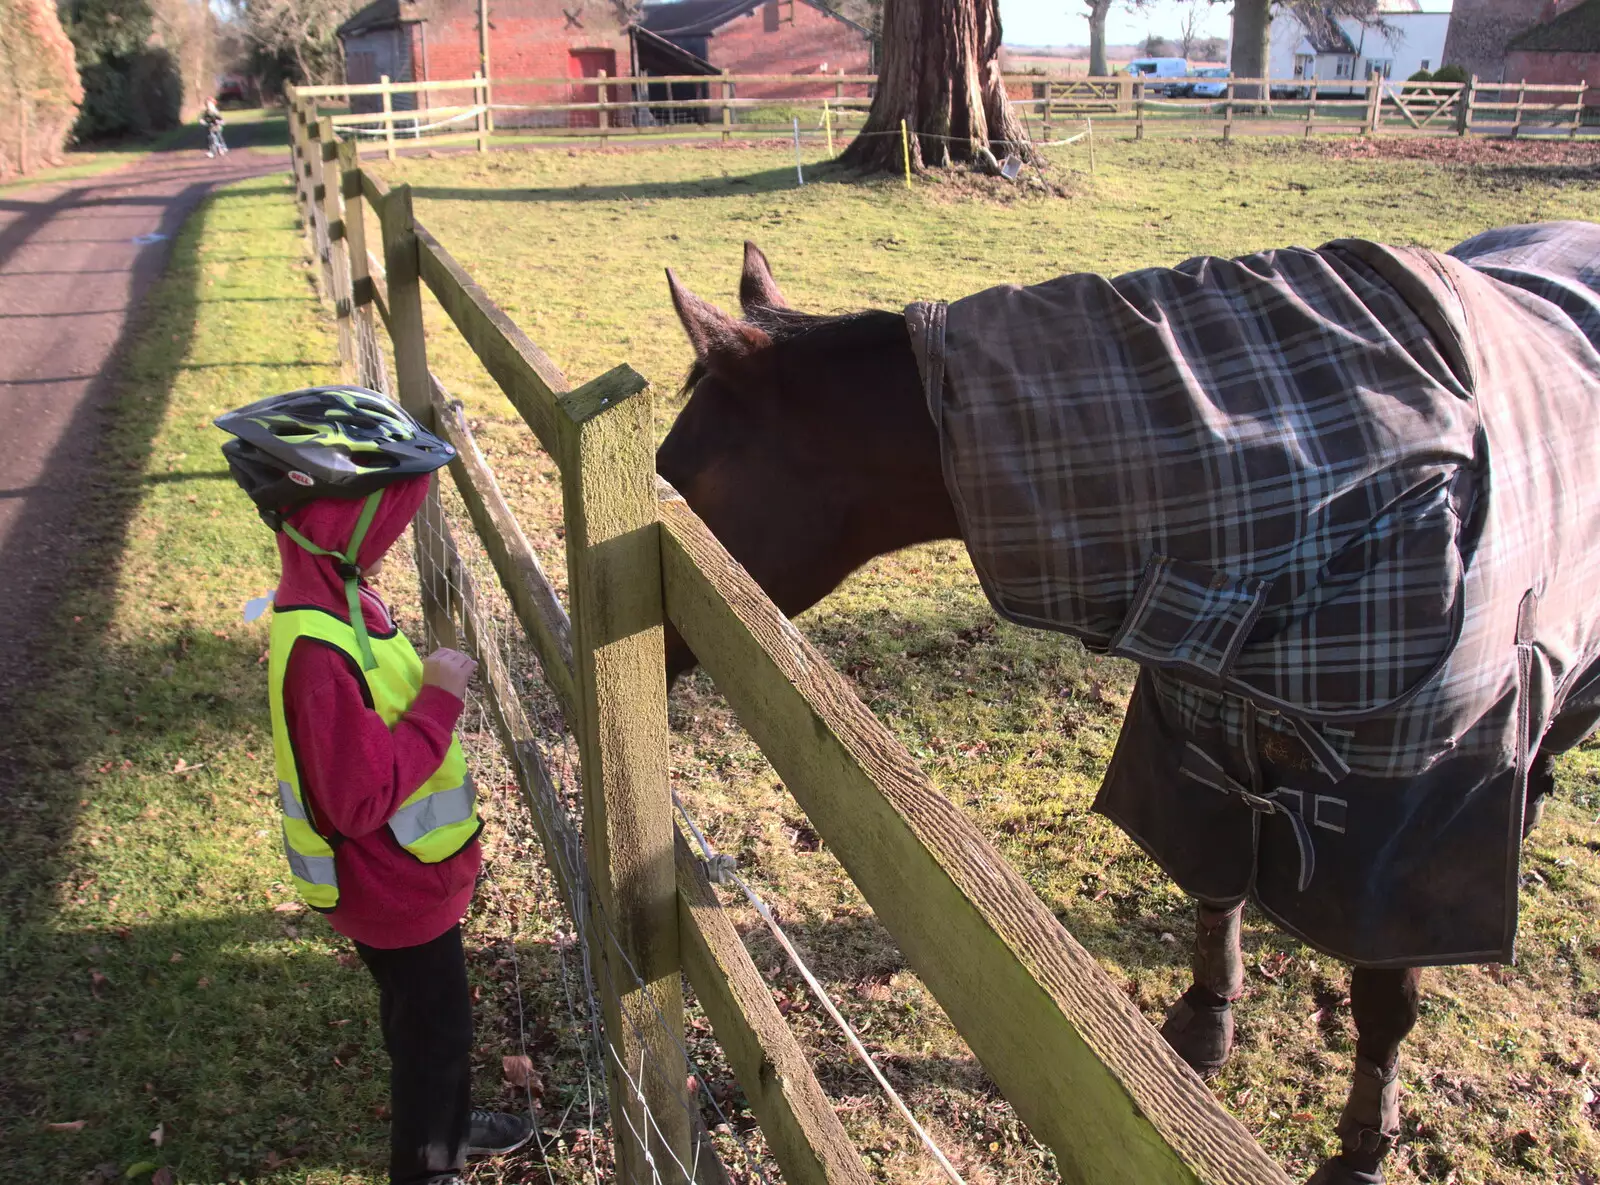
<point>1199,765</point>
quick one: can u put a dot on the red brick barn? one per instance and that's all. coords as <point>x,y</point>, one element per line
<point>761,37</point>
<point>1566,48</point>
<point>426,40</point>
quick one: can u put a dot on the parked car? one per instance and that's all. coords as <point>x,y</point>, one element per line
<point>1209,82</point>
<point>230,89</point>
<point>1167,70</point>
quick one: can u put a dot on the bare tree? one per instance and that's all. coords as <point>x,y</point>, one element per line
<point>300,30</point>
<point>1154,45</point>
<point>941,75</point>
<point>1252,30</point>
<point>1189,29</point>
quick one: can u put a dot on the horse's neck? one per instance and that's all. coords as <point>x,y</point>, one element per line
<point>906,502</point>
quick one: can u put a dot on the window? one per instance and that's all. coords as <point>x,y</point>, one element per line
<point>1379,67</point>
<point>1341,68</point>
<point>1424,65</point>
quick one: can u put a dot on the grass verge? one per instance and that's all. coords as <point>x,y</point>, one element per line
<point>167,1004</point>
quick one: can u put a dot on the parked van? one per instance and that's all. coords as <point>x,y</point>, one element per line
<point>1159,68</point>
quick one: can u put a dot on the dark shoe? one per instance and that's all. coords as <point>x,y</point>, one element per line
<point>1200,1030</point>
<point>494,1133</point>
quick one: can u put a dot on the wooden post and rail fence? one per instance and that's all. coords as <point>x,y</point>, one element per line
<point>1265,106</point>
<point>1088,1074</point>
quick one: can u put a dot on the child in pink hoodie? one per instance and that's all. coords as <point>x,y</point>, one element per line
<point>380,821</point>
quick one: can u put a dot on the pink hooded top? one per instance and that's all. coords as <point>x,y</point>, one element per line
<point>359,770</point>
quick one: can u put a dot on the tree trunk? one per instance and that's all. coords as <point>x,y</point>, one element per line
<point>1252,27</point>
<point>941,74</point>
<point>1097,38</point>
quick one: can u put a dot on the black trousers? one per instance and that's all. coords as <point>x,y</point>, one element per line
<point>426,1014</point>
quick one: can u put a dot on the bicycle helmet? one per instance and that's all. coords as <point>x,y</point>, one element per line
<point>324,442</point>
<point>327,442</point>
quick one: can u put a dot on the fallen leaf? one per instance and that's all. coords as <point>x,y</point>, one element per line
<point>518,1069</point>
<point>163,1177</point>
<point>76,1125</point>
<point>177,957</point>
<point>288,907</point>
<point>159,1136</point>
<point>140,1169</point>
<point>96,982</point>
<point>349,960</point>
<point>202,983</point>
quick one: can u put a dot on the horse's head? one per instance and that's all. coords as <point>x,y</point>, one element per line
<point>804,445</point>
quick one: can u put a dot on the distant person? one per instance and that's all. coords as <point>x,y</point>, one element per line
<point>380,820</point>
<point>212,118</point>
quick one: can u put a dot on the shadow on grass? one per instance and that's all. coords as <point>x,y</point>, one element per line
<point>765,181</point>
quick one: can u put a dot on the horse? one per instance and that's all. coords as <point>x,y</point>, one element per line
<point>812,444</point>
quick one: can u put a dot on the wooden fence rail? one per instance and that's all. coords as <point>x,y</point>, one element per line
<point>604,107</point>
<point>1077,1060</point>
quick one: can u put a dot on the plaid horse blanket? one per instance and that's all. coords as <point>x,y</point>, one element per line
<point>1342,507</point>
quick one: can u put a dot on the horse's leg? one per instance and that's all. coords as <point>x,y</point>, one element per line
<point>1199,1027</point>
<point>1385,1006</point>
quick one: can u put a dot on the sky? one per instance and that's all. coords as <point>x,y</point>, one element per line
<point>1065,22</point>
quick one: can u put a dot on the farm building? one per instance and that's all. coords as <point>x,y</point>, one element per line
<point>757,37</point>
<point>422,40</point>
<point>1565,48</point>
<point>1481,30</point>
<point>1402,40</point>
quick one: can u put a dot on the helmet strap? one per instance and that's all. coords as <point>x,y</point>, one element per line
<point>350,573</point>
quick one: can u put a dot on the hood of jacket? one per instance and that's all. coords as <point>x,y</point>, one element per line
<point>309,579</point>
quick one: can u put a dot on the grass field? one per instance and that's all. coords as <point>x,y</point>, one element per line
<point>1016,726</point>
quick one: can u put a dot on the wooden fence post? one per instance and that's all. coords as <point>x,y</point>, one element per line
<point>1138,110</point>
<point>333,220</point>
<point>1311,107</point>
<point>1227,112</point>
<point>1464,111</point>
<point>604,120</point>
<point>615,598</point>
<point>727,112</point>
<point>480,95</point>
<point>1522,96</point>
<point>1043,89</point>
<point>436,562</point>
<point>388,116</point>
<point>1577,111</point>
<point>1374,105</point>
<point>355,229</point>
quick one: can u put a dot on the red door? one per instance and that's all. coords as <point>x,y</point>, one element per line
<point>587,63</point>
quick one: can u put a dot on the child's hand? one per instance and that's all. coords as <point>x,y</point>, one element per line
<point>448,669</point>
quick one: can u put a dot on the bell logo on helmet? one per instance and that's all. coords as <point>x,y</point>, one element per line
<point>301,479</point>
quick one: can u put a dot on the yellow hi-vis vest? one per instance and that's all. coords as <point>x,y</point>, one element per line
<point>433,824</point>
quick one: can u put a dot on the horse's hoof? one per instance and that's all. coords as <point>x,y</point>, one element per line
<point>1339,1172</point>
<point>1200,1030</point>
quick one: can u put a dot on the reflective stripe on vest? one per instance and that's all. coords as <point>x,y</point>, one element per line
<point>446,808</point>
<point>433,824</point>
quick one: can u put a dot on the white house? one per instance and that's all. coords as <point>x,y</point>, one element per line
<point>1400,41</point>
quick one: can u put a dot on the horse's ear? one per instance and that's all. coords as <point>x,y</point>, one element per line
<point>717,338</point>
<point>757,288</point>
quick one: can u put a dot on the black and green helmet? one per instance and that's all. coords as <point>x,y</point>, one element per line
<point>328,442</point>
<point>324,442</point>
